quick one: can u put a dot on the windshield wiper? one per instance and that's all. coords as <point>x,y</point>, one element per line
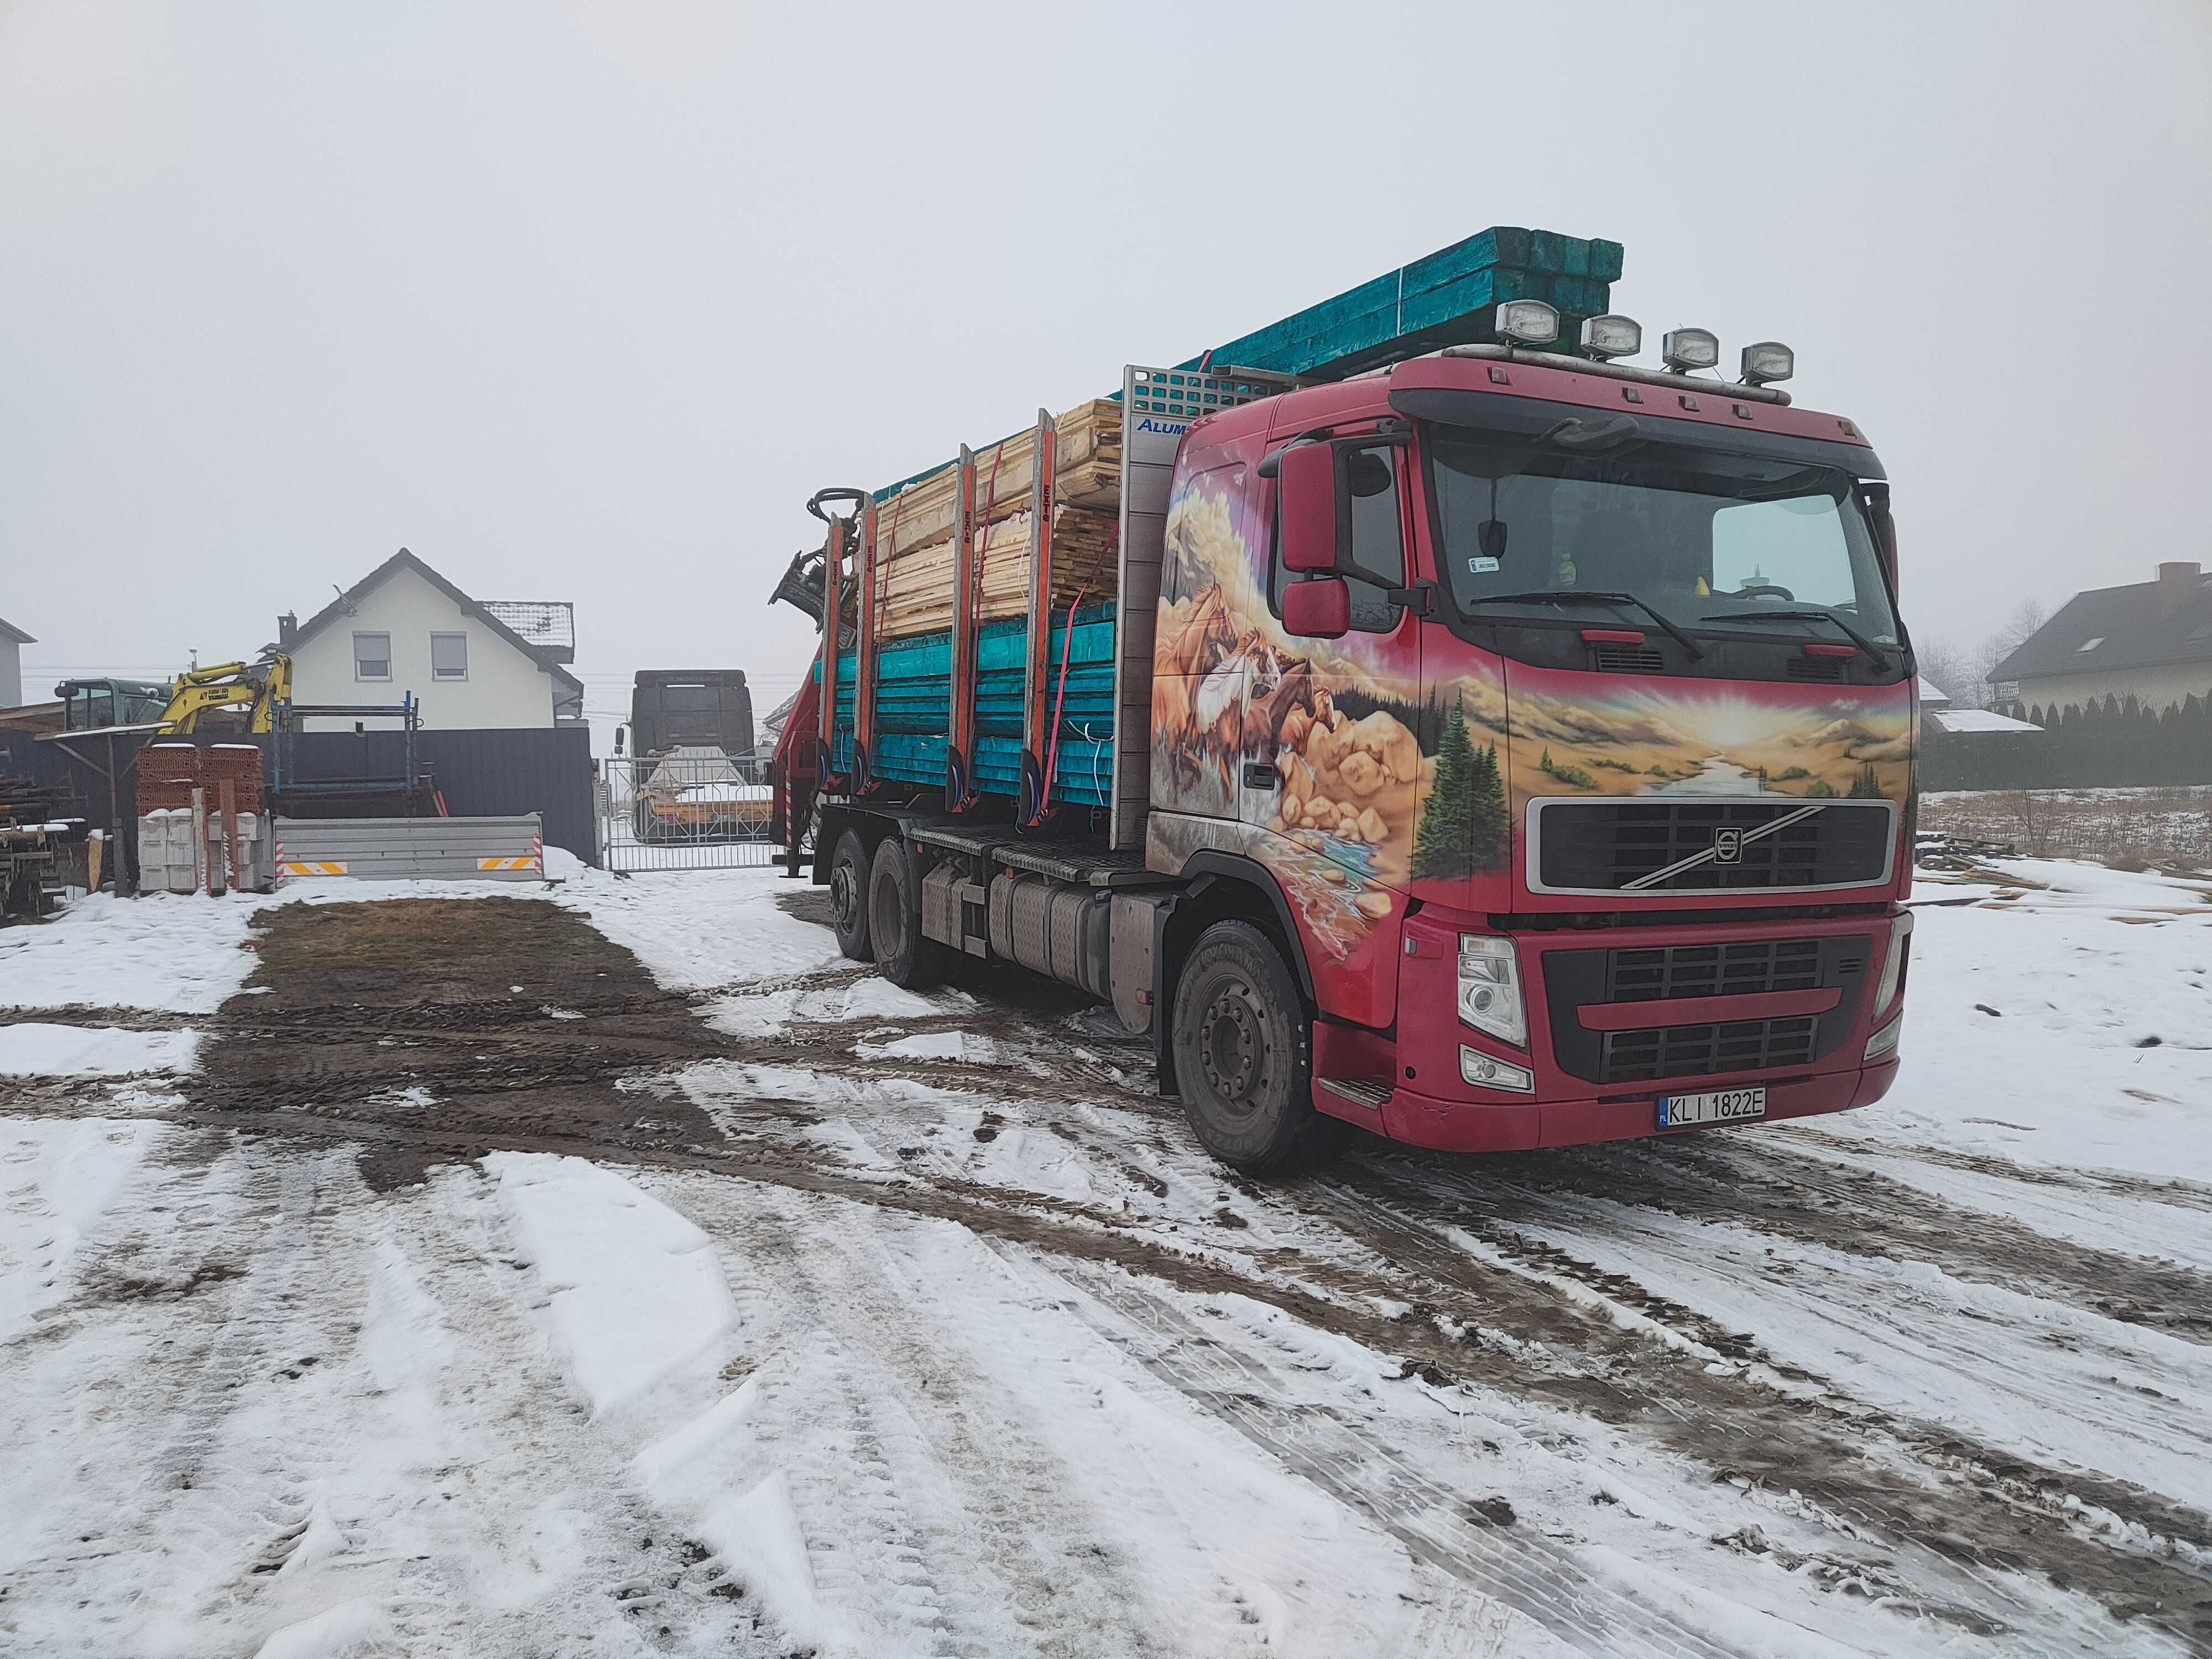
<point>1810,614</point>
<point>1573,596</point>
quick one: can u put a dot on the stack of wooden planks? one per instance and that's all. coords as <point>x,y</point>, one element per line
<point>1445,297</point>
<point>915,534</point>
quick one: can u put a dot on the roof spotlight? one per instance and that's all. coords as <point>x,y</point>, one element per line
<point>1531,322</point>
<point>1605,338</point>
<point>1766,361</point>
<point>1686,348</point>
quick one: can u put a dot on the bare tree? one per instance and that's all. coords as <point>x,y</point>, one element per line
<point>2028,616</point>
<point>1947,668</point>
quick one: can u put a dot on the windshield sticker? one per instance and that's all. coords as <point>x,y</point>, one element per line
<point>1481,566</point>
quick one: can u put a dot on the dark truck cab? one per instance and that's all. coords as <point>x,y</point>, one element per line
<point>674,708</point>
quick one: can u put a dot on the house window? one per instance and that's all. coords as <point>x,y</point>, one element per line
<point>371,656</point>
<point>449,656</point>
<point>2090,644</point>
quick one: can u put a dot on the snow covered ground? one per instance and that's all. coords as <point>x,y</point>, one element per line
<point>928,1331</point>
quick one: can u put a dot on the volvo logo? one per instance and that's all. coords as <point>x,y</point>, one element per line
<point>1728,846</point>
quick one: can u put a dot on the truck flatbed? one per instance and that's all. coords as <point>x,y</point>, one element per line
<point>1078,861</point>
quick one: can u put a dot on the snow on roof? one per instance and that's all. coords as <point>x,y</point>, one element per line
<point>540,621</point>
<point>1978,719</point>
<point>1933,695</point>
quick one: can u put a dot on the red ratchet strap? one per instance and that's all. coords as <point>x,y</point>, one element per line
<point>1059,703</point>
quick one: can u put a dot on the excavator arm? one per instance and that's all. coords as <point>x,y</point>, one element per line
<point>258,687</point>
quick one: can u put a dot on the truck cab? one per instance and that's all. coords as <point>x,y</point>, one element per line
<point>1566,709</point>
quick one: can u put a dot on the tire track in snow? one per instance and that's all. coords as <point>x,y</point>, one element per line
<point>833,1335</point>
<point>1753,1183</point>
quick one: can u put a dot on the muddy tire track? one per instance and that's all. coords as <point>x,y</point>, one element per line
<point>1811,1200</point>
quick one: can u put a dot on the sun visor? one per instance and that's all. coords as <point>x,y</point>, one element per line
<point>1503,413</point>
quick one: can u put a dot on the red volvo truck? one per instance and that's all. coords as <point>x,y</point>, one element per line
<point>1509,746</point>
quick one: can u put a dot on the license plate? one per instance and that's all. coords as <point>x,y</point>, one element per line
<point>1715,1106</point>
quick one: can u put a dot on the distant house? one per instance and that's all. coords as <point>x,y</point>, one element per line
<point>12,642</point>
<point>2151,641</point>
<point>404,628</point>
<point>1936,711</point>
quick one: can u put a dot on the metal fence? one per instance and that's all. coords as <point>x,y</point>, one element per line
<point>694,809</point>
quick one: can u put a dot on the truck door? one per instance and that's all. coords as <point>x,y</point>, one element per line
<point>1347,713</point>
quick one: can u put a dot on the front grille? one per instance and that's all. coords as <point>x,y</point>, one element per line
<point>1623,846</point>
<point>1816,668</point>
<point>1615,658</point>
<point>1741,1045</point>
<point>1659,975</point>
<point>1715,970</point>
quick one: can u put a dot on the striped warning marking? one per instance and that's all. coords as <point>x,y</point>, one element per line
<point>324,867</point>
<point>507,864</point>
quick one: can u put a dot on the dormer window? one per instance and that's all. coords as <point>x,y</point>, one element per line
<point>2091,644</point>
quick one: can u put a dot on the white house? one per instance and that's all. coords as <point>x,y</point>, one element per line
<point>12,642</point>
<point>404,629</point>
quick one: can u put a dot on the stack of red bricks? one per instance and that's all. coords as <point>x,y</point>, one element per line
<point>168,772</point>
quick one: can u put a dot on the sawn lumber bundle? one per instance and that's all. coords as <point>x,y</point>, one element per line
<point>914,528</point>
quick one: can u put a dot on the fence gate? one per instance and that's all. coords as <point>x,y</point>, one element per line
<point>691,809</point>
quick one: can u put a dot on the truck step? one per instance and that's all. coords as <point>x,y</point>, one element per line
<point>1374,1096</point>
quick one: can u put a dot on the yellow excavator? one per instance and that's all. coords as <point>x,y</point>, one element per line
<point>255,687</point>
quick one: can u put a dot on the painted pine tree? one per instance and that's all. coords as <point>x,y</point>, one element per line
<point>1463,821</point>
<point>1866,786</point>
<point>1443,845</point>
<point>1489,835</point>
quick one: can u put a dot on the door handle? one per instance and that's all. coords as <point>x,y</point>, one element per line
<point>1259,774</point>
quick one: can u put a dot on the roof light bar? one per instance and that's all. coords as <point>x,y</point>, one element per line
<point>1768,360</point>
<point>1609,337</point>
<point>1686,348</point>
<point>1531,322</point>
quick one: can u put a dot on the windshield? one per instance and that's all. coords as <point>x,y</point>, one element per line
<point>1700,534</point>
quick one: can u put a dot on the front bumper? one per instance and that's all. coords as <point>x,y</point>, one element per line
<point>1520,1126</point>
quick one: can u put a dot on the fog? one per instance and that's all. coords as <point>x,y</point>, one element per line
<point>582,303</point>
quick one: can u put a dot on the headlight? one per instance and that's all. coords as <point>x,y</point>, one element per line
<point>1530,321</point>
<point>1490,988</point>
<point>1686,348</point>
<point>1882,1041</point>
<point>1486,1073</point>
<point>1892,969</point>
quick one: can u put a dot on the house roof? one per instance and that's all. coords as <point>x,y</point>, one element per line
<point>543,655</point>
<point>1933,695</point>
<point>8,631</point>
<point>547,624</point>
<point>1978,719</point>
<point>2127,629</point>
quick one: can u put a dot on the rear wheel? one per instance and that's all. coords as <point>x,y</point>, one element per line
<point>848,896</point>
<point>905,958</point>
<point>1242,1054</point>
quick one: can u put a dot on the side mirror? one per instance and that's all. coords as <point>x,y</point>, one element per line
<point>1305,508</point>
<point>1318,608</point>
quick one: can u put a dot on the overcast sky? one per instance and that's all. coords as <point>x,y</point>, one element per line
<point>583,302</point>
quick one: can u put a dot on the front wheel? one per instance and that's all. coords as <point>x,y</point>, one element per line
<point>1243,1056</point>
<point>848,896</point>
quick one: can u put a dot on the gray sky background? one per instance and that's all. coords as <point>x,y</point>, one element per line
<point>583,302</point>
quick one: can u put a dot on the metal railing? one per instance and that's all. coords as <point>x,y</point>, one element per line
<point>694,809</point>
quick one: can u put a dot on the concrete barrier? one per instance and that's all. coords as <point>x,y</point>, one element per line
<point>397,850</point>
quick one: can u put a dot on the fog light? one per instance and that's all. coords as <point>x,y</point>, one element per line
<point>1686,348</point>
<point>1881,1042</point>
<point>1768,360</point>
<point>1605,337</point>
<point>1484,1073</point>
<point>1490,988</point>
<point>1530,321</point>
